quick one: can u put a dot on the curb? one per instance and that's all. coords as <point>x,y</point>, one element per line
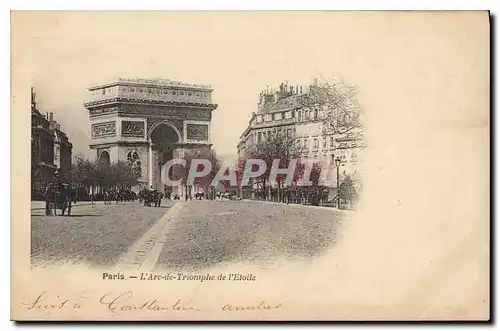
<point>72,205</point>
<point>78,204</point>
<point>144,253</point>
<point>302,206</point>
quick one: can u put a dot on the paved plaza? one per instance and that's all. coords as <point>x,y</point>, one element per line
<point>190,236</point>
<point>94,235</point>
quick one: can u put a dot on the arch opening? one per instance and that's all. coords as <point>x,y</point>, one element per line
<point>164,139</point>
<point>104,158</point>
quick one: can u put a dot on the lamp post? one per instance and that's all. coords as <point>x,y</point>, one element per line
<point>337,164</point>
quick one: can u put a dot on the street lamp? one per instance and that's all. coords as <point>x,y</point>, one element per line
<point>337,164</point>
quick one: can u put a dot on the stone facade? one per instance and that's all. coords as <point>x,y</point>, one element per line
<point>51,151</point>
<point>282,111</point>
<point>145,122</point>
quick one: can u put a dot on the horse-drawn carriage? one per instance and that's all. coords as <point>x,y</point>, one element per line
<point>150,197</point>
<point>61,197</point>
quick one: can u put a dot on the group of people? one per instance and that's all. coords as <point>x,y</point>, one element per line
<point>150,196</point>
<point>125,195</point>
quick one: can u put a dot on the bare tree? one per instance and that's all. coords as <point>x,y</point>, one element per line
<point>338,100</point>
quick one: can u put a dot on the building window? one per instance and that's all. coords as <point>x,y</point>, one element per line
<point>315,143</point>
<point>136,168</point>
<point>315,114</point>
<point>132,157</point>
<point>324,142</point>
<point>300,115</point>
<point>289,132</point>
<point>305,143</point>
<point>331,141</point>
<point>259,137</point>
<point>332,160</point>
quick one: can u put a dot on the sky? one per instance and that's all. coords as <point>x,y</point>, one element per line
<point>238,54</point>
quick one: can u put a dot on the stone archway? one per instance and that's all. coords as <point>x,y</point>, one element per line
<point>104,158</point>
<point>164,139</point>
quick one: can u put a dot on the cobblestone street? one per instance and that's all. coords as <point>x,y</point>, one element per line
<point>197,235</point>
<point>95,235</point>
<point>206,233</point>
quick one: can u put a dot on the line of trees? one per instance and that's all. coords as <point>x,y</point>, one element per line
<point>342,114</point>
<point>282,146</point>
<point>93,177</point>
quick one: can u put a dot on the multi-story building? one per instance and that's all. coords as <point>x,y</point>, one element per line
<point>283,111</point>
<point>50,150</point>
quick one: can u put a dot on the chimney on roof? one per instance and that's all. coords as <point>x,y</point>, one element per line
<point>33,97</point>
<point>315,81</point>
<point>51,116</point>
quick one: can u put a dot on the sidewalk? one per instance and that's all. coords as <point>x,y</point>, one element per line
<point>38,205</point>
<point>301,205</point>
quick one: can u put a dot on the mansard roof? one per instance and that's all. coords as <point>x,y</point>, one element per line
<point>285,103</point>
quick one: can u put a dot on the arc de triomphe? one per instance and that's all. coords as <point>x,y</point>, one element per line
<point>146,122</point>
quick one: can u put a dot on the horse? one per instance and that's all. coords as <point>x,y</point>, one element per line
<point>156,197</point>
<point>132,196</point>
<point>59,198</point>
